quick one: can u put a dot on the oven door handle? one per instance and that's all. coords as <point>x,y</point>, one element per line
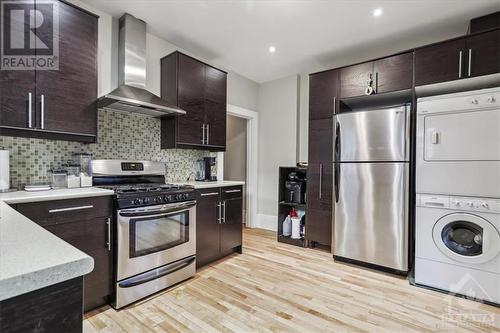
<point>156,273</point>
<point>178,207</point>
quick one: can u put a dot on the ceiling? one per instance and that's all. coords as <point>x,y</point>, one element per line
<point>308,35</point>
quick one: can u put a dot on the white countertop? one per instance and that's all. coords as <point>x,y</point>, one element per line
<point>218,183</point>
<point>31,257</point>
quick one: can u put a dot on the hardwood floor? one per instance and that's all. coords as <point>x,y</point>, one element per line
<point>274,287</point>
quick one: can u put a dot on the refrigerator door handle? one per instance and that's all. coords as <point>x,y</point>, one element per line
<point>336,183</point>
<point>336,156</point>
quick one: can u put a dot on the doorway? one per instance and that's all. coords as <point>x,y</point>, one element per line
<point>235,157</point>
<point>251,121</point>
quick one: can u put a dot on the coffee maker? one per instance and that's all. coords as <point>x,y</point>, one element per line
<point>204,170</point>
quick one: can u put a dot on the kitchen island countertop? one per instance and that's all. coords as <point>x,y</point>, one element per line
<point>30,256</point>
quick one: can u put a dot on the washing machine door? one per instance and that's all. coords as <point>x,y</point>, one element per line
<point>466,238</point>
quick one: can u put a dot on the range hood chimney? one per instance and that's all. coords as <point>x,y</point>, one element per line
<point>131,94</point>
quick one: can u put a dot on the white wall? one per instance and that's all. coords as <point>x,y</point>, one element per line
<point>278,107</point>
<point>241,91</point>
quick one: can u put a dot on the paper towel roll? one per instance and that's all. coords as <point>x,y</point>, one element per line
<point>4,170</point>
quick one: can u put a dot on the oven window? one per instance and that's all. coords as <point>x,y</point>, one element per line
<point>158,233</point>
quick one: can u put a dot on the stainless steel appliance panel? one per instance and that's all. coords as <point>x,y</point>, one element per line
<point>372,135</point>
<point>371,219</point>
<point>145,284</point>
<point>458,144</point>
<point>135,256</point>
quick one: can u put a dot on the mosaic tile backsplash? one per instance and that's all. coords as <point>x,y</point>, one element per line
<point>120,136</point>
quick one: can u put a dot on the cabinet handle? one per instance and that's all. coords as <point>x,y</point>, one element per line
<point>224,212</point>
<point>108,224</point>
<point>232,191</point>
<point>68,209</point>
<point>334,105</point>
<point>203,135</point>
<point>460,64</point>
<point>320,180</point>
<point>209,194</point>
<point>30,109</point>
<point>208,134</point>
<point>219,216</point>
<point>470,62</point>
<point>376,82</point>
<point>42,111</point>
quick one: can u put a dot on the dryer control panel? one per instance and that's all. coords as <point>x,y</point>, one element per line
<point>472,204</point>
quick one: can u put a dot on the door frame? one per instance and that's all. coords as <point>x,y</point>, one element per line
<point>252,156</point>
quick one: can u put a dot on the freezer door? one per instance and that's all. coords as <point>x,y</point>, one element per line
<point>371,220</point>
<point>374,135</point>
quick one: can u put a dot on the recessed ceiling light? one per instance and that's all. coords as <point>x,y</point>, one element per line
<point>272,49</point>
<point>377,12</point>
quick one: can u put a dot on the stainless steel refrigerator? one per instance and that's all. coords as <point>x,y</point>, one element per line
<point>371,166</point>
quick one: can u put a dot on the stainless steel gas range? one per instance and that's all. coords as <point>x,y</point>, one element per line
<point>154,229</point>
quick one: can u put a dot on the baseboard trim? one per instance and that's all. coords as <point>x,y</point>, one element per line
<point>268,222</point>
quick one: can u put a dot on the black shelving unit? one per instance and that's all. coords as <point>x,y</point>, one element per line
<point>284,207</point>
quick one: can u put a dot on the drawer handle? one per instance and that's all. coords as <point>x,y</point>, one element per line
<point>209,194</point>
<point>233,191</point>
<point>68,209</point>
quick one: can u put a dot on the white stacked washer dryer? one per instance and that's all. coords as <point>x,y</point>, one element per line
<point>457,239</point>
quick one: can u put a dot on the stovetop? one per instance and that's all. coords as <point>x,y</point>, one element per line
<point>147,194</point>
<point>124,189</point>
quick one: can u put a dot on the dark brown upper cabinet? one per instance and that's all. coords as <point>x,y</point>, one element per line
<point>200,90</point>
<point>323,90</point>
<point>354,79</point>
<point>59,103</point>
<point>393,73</point>
<point>384,75</point>
<point>440,63</point>
<point>483,54</point>
<point>470,56</point>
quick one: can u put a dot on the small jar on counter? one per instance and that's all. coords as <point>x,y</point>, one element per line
<point>73,171</point>
<point>58,178</point>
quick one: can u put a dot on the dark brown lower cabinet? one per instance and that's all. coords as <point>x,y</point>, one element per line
<point>56,308</point>
<point>319,203</point>
<point>219,218</point>
<point>83,223</point>
<point>231,228</point>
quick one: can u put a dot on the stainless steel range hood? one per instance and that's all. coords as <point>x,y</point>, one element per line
<point>131,94</point>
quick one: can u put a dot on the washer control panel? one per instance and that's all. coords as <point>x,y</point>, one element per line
<point>459,203</point>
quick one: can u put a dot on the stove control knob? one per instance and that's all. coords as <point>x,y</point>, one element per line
<point>485,205</point>
<point>491,99</point>
<point>147,200</point>
<point>185,196</point>
<point>470,204</point>
<point>457,203</point>
<point>137,201</point>
<point>168,197</point>
<point>178,197</point>
<point>474,101</point>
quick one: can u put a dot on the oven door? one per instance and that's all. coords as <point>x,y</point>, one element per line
<point>153,236</point>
